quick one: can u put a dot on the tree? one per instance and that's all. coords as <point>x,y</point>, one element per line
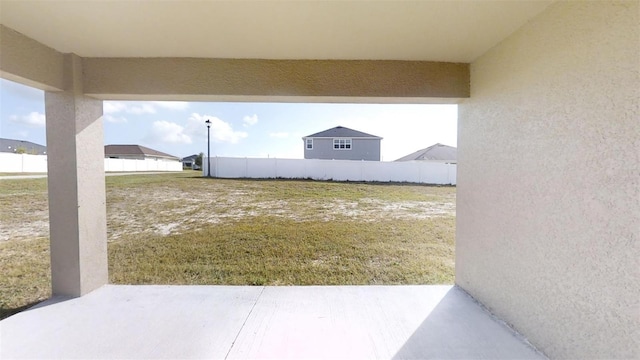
<point>198,160</point>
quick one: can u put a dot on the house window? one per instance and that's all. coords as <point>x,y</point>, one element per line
<point>342,144</point>
<point>309,144</point>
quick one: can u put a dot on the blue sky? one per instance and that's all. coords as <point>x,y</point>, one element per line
<point>238,129</point>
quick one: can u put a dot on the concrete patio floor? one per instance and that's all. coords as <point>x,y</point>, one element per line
<point>152,322</point>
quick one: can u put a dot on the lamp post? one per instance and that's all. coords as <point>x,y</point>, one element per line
<point>208,122</point>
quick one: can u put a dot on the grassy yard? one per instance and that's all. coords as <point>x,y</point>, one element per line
<point>184,229</point>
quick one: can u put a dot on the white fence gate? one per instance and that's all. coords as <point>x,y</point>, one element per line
<point>340,170</point>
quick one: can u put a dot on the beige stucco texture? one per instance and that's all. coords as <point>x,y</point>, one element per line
<point>548,206</point>
<point>29,62</point>
<point>222,78</point>
<point>77,206</point>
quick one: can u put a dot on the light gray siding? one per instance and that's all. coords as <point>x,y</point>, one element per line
<point>361,149</point>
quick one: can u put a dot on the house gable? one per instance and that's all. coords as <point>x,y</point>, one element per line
<point>341,143</point>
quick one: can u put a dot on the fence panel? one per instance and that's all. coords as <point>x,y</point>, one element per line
<point>287,169</point>
<point>19,163</point>
<point>339,170</point>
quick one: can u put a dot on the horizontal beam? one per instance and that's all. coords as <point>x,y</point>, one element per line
<point>274,80</point>
<point>29,62</point>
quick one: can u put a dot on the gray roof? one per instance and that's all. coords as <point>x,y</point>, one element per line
<point>341,131</point>
<point>11,146</point>
<point>437,152</point>
<point>189,158</point>
<point>134,150</point>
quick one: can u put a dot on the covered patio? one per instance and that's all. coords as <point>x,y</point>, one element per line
<point>547,235</point>
<point>256,322</point>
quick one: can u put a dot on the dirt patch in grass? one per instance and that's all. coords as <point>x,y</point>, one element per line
<point>185,229</point>
<point>168,204</point>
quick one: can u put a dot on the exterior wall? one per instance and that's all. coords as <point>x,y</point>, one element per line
<point>141,157</point>
<point>128,157</point>
<point>250,79</point>
<point>339,170</point>
<point>131,165</point>
<point>29,62</point>
<point>361,149</point>
<point>548,188</point>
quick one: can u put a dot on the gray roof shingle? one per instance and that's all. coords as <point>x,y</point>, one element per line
<point>341,131</point>
<point>437,152</point>
<point>134,150</point>
<point>10,146</point>
<point>189,158</point>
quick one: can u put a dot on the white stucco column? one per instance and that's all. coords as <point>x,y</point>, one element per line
<point>77,210</point>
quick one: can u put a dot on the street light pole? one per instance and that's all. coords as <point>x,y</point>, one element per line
<point>208,122</point>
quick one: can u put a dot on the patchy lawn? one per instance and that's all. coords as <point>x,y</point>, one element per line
<point>184,229</point>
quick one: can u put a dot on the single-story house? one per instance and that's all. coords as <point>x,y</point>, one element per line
<point>341,143</point>
<point>436,153</point>
<point>136,152</point>
<point>21,147</point>
<point>190,161</point>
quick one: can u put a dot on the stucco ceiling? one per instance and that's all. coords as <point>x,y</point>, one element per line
<point>453,31</point>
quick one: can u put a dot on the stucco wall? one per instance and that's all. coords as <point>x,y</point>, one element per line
<point>242,78</point>
<point>548,206</point>
<point>29,62</point>
<point>361,149</point>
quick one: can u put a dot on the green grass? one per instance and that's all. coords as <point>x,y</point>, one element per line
<point>26,274</point>
<point>273,251</point>
<point>185,229</point>
<point>21,173</point>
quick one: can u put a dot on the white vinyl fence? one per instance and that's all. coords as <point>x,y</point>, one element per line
<point>21,163</point>
<point>131,165</point>
<point>339,170</point>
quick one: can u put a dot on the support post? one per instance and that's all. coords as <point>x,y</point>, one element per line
<point>77,196</point>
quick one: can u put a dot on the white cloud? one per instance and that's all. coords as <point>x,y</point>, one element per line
<point>221,131</point>
<point>142,107</point>
<point>34,119</point>
<point>168,132</point>
<point>130,107</point>
<point>172,105</point>
<point>115,119</point>
<point>279,135</point>
<point>112,107</point>
<point>250,120</point>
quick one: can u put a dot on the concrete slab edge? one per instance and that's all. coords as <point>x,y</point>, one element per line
<point>497,319</point>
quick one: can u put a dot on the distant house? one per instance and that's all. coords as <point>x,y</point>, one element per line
<point>21,147</point>
<point>435,153</point>
<point>136,152</point>
<point>190,162</point>
<point>341,143</point>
